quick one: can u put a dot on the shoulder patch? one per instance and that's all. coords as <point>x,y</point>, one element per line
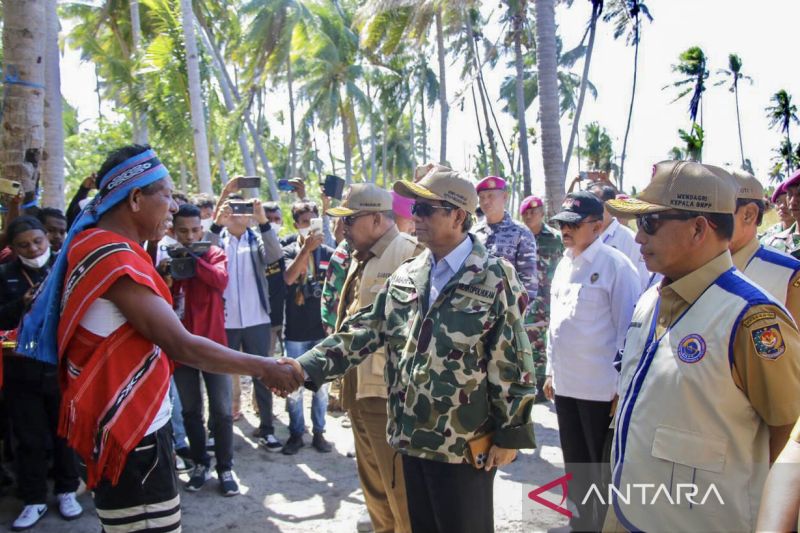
<point>752,319</point>
<point>482,293</point>
<point>768,341</point>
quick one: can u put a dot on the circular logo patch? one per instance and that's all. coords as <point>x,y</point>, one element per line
<point>692,348</point>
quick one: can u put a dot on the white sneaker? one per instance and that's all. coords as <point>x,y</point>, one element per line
<point>29,516</point>
<point>68,506</point>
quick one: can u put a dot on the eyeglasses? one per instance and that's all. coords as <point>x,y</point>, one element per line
<point>426,210</point>
<point>574,225</point>
<point>351,219</point>
<point>649,223</point>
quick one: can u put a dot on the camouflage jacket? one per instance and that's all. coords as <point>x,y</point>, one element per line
<point>458,371</point>
<point>787,240</point>
<point>550,249</point>
<point>334,282</point>
<point>515,243</point>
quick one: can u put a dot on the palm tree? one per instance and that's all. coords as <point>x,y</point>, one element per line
<point>693,65</point>
<point>517,10</point>
<point>597,149</point>
<point>734,74</point>
<point>24,36</point>
<point>548,103</point>
<point>53,155</point>
<point>694,140</point>
<point>597,9</point>
<point>196,99</point>
<point>389,21</point>
<point>627,16</point>
<point>140,132</point>
<point>782,114</point>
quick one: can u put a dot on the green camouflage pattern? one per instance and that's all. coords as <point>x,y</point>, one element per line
<point>455,372</point>
<point>787,240</point>
<point>334,283</point>
<point>550,248</point>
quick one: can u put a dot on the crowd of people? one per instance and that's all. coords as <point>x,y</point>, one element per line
<point>670,352</point>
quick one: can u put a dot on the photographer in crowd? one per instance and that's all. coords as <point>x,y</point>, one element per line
<point>31,386</point>
<point>307,260</point>
<point>198,278</point>
<point>247,321</point>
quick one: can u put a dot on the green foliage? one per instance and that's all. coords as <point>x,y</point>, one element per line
<point>693,139</point>
<point>597,149</point>
<point>693,67</point>
<point>85,151</point>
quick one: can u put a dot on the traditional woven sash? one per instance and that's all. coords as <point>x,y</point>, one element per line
<point>112,387</point>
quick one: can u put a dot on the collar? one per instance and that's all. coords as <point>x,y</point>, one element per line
<point>505,220</point>
<point>692,285</point>
<point>611,229</point>
<point>457,256</point>
<point>743,256</point>
<point>588,254</point>
<point>383,243</point>
<point>547,230</point>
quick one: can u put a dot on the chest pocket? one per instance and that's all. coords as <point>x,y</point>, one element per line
<point>401,307</point>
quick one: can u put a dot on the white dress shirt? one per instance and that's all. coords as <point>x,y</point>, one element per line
<point>624,239</point>
<point>243,307</point>
<point>444,270</point>
<point>591,303</point>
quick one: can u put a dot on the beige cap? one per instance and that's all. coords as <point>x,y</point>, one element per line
<point>445,186</point>
<point>422,170</point>
<point>749,187</point>
<point>363,198</point>
<point>683,185</point>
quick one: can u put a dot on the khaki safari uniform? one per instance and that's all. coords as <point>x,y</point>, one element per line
<point>710,362</point>
<point>456,368</point>
<point>364,389</point>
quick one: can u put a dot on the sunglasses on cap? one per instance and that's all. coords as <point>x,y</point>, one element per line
<point>649,223</point>
<point>426,210</point>
<point>351,219</point>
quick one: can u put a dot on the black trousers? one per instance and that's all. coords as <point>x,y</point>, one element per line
<point>255,340</point>
<point>583,430</point>
<point>31,390</point>
<point>448,498</point>
<point>145,498</point>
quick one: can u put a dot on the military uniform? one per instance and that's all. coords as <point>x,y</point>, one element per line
<point>516,244</point>
<point>457,368</point>
<point>334,282</point>
<point>787,241</point>
<point>549,250</point>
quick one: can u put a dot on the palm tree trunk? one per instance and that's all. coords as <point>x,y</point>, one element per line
<point>53,155</point>
<point>140,131</point>
<point>411,137</point>
<point>548,104</point>
<point>584,84</point>
<point>385,142</point>
<point>738,119</point>
<point>223,171</point>
<point>789,155</point>
<point>348,154</point>
<point>183,177</point>
<point>372,163</point>
<point>330,150</point>
<point>519,19</point>
<point>24,38</point>
<point>476,60</point>
<point>97,90</point>
<point>484,162</point>
<point>196,100</point>
<point>630,114</point>
<point>262,155</point>
<point>423,125</point>
<point>444,108</point>
<point>228,90</point>
<point>292,128</point>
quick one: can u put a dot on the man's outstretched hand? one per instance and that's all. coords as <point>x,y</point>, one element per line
<point>281,377</point>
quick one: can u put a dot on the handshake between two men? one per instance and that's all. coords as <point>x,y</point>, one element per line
<point>283,376</point>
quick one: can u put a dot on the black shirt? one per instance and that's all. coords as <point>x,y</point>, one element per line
<point>277,291</point>
<point>304,322</point>
<point>15,281</point>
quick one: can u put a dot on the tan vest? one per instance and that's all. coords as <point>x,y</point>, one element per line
<point>682,422</point>
<point>371,381</point>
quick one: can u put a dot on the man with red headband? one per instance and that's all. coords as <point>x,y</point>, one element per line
<point>105,315</point>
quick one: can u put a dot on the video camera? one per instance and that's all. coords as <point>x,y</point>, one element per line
<point>182,261</point>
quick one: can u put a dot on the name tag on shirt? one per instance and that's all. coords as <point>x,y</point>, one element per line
<point>482,293</point>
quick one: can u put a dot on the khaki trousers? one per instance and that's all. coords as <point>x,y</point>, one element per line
<point>378,466</point>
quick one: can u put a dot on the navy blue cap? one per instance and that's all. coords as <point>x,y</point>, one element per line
<point>578,206</point>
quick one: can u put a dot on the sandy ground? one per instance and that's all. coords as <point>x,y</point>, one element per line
<point>314,492</point>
